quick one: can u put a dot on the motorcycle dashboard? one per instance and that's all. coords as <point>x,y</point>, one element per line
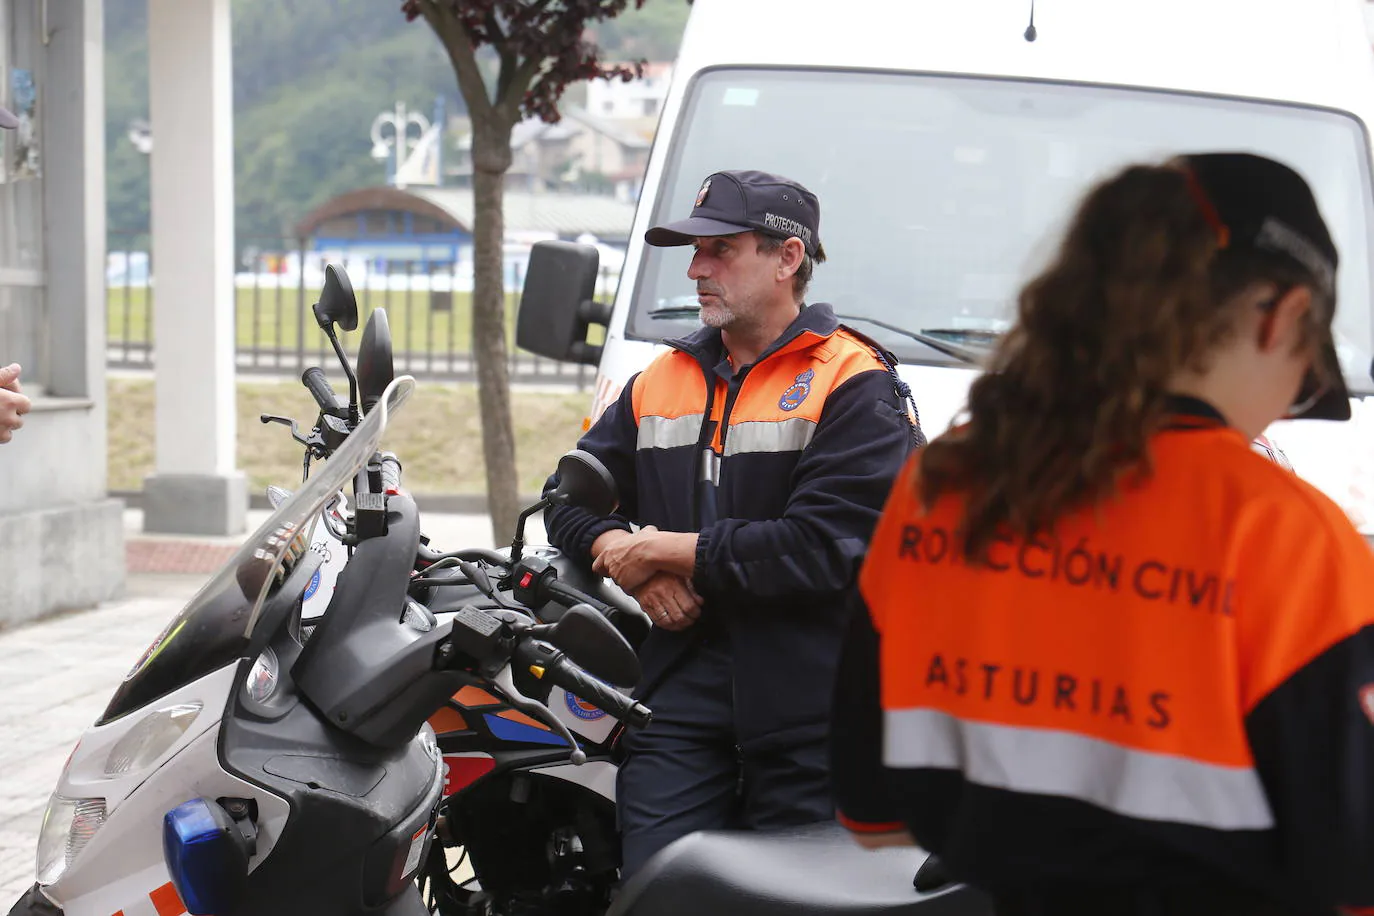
<point>215,626</point>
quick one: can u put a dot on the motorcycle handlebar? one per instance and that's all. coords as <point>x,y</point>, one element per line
<point>633,625</point>
<point>566,674</point>
<point>319,387</point>
<point>568,596</point>
<point>391,473</point>
<point>471,554</point>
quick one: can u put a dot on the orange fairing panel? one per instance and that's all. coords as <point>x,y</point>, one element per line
<point>475,696</point>
<point>448,719</point>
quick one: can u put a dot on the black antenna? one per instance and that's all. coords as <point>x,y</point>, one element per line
<point>1030,29</point>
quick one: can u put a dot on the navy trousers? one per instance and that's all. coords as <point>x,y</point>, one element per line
<point>686,771</point>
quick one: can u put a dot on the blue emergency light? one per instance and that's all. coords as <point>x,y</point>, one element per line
<point>207,856</point>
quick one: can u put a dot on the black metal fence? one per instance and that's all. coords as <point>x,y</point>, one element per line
<point>428,305</point>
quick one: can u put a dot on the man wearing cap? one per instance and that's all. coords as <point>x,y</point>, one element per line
<point>13,403</point>
<point>753,457</point>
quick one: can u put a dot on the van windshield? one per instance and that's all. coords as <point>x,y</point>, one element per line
<point>941,195</point>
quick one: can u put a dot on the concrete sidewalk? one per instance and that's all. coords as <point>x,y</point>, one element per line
<point>56,675</point>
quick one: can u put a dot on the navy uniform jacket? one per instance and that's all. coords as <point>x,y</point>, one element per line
<point>799,451</point>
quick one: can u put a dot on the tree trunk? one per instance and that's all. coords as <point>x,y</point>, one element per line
<point>491,158</point>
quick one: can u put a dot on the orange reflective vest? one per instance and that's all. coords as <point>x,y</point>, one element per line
<point>1177,684</point>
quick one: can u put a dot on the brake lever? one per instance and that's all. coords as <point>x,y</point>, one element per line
<point>287,421</point>
<point>538,711</point>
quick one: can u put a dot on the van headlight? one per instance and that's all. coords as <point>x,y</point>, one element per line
<point>68,825</point>
<point>143,744</point>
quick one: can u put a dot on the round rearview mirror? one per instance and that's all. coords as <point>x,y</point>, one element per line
<point>337,302</point>
<point>375,366</point>
<point>583,481</point>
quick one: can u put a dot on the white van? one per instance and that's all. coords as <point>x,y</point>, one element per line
<point>947,150</point>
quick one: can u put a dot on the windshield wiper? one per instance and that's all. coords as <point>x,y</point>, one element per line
<point>672,312</point>
<point>967,345</point>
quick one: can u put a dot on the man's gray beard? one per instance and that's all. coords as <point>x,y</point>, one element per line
<point>717,318</point>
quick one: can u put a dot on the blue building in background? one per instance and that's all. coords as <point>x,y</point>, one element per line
<point>427,230</point>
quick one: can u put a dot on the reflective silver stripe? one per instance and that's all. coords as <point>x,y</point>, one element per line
<point>668,432</point>
<point>1142,784</point>
<point>763,436</point>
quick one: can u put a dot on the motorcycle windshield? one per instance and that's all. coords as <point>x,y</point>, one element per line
<point>215,626</point>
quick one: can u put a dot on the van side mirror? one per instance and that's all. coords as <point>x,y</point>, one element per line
<point>557,306</point>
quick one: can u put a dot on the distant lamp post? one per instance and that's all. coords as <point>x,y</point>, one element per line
<point>395,147</point>
<point>140,134</point>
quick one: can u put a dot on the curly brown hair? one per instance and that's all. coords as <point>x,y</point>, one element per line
<point>1137,291</point>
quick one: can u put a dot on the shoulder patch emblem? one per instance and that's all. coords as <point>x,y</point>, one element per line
<point>801,386</point>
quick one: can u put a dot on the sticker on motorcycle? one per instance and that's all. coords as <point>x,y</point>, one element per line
<point>417,845</point>
<point>582,709</point>
<point>311,588</point>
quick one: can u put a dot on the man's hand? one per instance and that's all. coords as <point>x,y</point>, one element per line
<point>13,403</point>
<point>669,600</point>
<point>632,559</point>
<point>606,539</point>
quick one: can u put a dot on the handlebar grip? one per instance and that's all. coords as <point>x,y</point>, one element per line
<point>566,674</point>
<point>568,596</point>
<point>391,474</point>
<point>314,380</point>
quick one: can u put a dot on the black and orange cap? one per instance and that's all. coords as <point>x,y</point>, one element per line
<point>1261,205</point>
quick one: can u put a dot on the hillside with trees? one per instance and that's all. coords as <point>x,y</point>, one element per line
<point>309,77</point>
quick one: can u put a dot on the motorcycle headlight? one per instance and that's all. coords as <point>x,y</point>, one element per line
<point>262,677</point>
<point>428,741</point>
<point>150,738</point>
<point>68,825</point>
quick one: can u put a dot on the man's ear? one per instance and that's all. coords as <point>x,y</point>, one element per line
<point>1283,326</point>
<point>791,257</point>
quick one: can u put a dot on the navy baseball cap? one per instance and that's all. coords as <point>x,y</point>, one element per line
<point>7,119</point>
<point>1257,204</point>
<point>747,201</point>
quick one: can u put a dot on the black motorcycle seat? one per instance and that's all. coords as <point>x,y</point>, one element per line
<point>816,870</point>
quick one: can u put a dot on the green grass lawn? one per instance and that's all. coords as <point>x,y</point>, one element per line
<point>272,319</point>
<point>437,434</point>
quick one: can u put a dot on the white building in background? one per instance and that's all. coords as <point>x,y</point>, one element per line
<point>581,153</point>
<point>634,100</point>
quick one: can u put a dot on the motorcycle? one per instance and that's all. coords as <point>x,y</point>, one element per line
<point>260,760</point>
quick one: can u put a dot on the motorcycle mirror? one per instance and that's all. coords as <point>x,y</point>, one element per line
<point>595,644</point>
<point>375,366</point>
<point>584,482</point>
<point>337,305</point>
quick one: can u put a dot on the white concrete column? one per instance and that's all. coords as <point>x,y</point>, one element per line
<point>196,488</point>
<point>61,537</point>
